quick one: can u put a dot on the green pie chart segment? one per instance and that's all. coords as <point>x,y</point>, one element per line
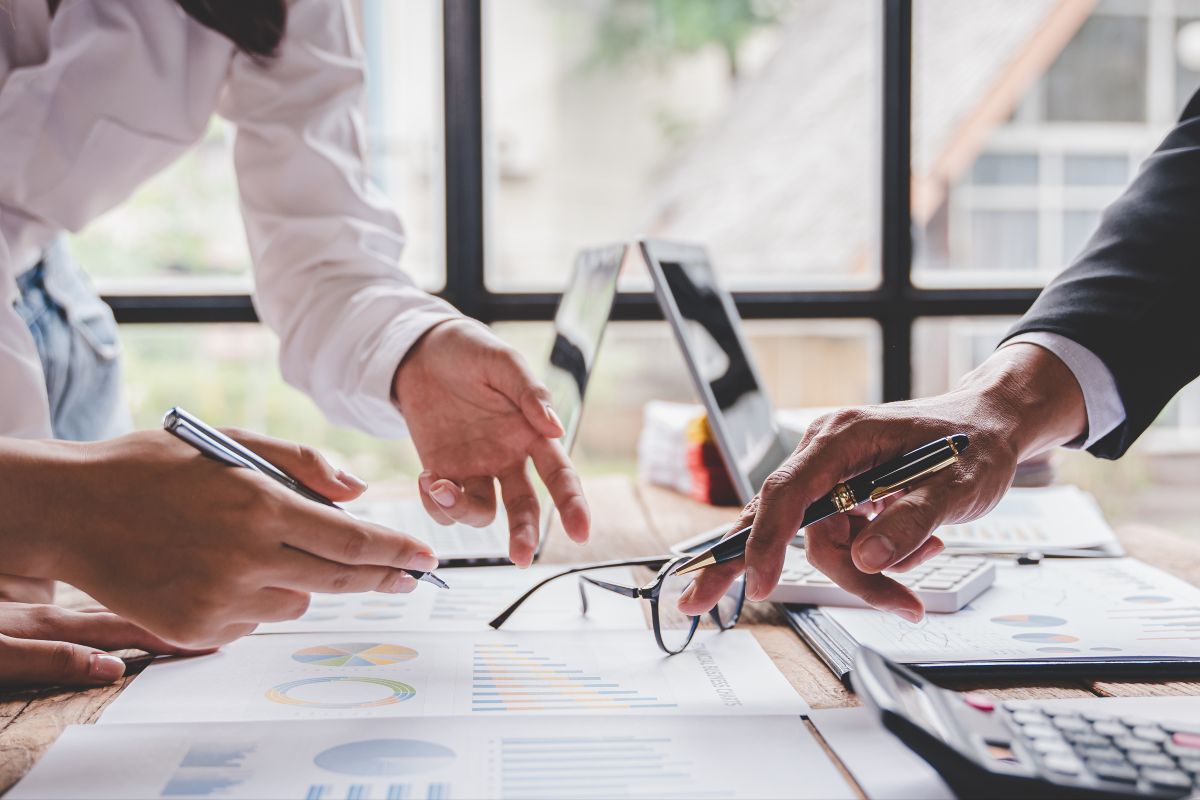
<point>354,654</point>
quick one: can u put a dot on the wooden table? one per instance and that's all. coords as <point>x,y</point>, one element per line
<point>630,520</point>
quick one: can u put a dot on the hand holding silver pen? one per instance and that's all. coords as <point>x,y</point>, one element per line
<point>220,447</point>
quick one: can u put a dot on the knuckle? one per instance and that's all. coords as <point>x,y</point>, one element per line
<point>307,457</point>
<point>354,545</point>
<point>62,659</point>
<point>342,581</point>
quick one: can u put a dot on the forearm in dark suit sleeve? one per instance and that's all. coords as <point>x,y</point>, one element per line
<point>1133,296</point>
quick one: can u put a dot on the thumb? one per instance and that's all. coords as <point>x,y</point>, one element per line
<point>510,375</point>
<point>30,662</point>
<point>303,463</point>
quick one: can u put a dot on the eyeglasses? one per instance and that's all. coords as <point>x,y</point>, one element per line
<point>673,630</point>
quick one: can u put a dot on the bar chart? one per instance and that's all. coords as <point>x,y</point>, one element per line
<point>508,677</point>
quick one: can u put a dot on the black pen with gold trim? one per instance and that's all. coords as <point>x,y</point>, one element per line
<point>875,484</point>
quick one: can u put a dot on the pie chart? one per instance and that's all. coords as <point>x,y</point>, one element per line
<point>1029,620</point>
<point>354,654</point>
<point>385,757</point>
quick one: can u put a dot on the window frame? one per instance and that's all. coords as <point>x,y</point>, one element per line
<point>895,304</point>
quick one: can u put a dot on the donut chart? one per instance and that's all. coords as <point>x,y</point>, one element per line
<point>1029,621</point>
<point>354,654</point>
<point>313,688</point>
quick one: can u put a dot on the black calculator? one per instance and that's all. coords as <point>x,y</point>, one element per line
<point>987,749</point>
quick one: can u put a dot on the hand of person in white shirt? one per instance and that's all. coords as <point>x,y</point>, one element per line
<point>1021,402</point>
<point>477,414</point>
<point>44,645</point>
<point>191,549</point>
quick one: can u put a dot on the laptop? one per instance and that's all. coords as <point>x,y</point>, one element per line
<point>579,325</point>
<point>709,331</point>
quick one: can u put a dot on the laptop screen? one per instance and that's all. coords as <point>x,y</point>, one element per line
<point>709,330</point>
<point>578,328</point>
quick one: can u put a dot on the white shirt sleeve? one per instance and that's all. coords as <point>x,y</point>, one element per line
<point>325,242</point>
<point>1102,401</point>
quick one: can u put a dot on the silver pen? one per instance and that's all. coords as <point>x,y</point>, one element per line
<point>214,444</point>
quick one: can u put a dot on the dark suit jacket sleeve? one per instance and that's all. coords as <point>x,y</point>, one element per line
<point>1133,296</point>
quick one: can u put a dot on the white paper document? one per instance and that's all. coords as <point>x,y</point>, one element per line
<point>1098,608</point>
<point>1052,518</point>
<point>567,757</point>
<point>309,676</point>
<point>476,595</point>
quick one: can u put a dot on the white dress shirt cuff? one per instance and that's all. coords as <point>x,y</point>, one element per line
<point>379,374</point>
<point>1102,401</point>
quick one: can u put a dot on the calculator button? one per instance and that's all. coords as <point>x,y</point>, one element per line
<point>935,586</point>
<point>1181,727</point>
<point>1108,727</point>
<point>1191,765</point>
<point>1040,731</point>
<point>1087,740</point>
<point>1167,778</point>
<point>1068,724</point>
<point>1186,740</point>
<point>1106,754</point>
<point>1049,746</point>
<point>1151,733</point>
<point>1132,745</point>
<point>1025,716</point>
<point>1068,765</point>
<point>979,702</point>
<point>1158,760</point>
<point>1113,772</point>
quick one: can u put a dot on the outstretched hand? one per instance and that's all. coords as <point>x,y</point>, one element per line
<point>1021,402</point>
<point>477,415</point>
<point>45,645</point>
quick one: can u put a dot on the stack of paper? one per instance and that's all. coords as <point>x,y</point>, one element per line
<point>382,696</point>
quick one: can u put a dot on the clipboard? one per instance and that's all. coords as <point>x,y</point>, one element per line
<point>837,649</point>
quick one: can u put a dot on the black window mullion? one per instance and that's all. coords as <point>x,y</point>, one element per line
<point>463,97</point>
<point>897,318</point>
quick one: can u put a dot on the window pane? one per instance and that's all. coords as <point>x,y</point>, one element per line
<point>804,364</point>
<point>182,231</point>
<point>750,126</point>
<point>229,376</point>
<point>1087,170</point>
<point>1028,119</point>
<point>1101,75</point>
<point>1078,226</point>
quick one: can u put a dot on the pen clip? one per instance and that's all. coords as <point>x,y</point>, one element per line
<point>880,492</point>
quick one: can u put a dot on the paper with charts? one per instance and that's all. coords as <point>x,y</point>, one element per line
<point>309,676</point>
<point>1107,608</point>
<point>1055,517</point>
<point>475,596</point>
<point>567,757</point>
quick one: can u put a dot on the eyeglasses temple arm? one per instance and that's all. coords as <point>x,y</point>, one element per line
<point>503,616</point>
<point>628,591</point>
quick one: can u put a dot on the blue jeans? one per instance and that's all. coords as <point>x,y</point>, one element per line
<point>76,339</point>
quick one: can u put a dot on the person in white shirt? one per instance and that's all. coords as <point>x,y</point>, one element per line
<point>97,97</point>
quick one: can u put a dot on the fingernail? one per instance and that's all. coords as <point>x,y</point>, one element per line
<point>907,614</point>
<point>877,553</point>
<point>752,583</point>
<point>550,415</point>
<point>350,481</point>
<point>399,583</point>
<point>686,597</point>
<point>424,562</point>
<point>104,667</point>
<point>443,494</point>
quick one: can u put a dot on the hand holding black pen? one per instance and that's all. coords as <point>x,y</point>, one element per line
<point>873,485</point>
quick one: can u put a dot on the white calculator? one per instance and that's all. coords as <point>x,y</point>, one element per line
<point>944,583</point>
